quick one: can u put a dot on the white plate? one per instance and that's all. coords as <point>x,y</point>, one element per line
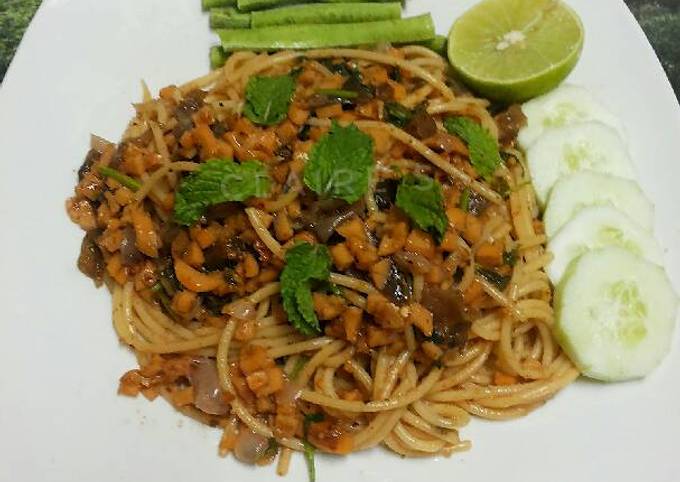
<point>77,72</point>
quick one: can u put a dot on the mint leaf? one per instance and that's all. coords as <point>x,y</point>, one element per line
<point>268,98</point>
<point>305,263</point>
<point>421,198</point>
<point>341,164</point>
<point>218,181</point>
<point>484,154</point>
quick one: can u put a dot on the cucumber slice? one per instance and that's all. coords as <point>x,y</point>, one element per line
<point>589,146</point>
<point>615,314</point>
<point>576,191</point>
<point>566,105</point>
<point>598,227</point>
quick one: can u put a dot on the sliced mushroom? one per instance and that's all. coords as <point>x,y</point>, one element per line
<point>129,253</point>
<point>91,260</point>
<point>326,215</point>
<point>398,286</point>
<point>450,317</point>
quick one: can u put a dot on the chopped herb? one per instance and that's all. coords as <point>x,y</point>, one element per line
<point>494,277</point>
<point>116,175</point>
<point>338,68</point>
<point>355,83</point>
<point>304,263</point>
<point>311,418</point>
<point>271,450</point>
<point>213,303</point>
<point>397,114</point>
<point>395,74</point>
<point>297,368</point>
<point>334,289</point>
<point>303,134</point>
<point>483,148</point>
<point>465,200</point>
<point>338,93</point>
<point>421,198</point>
<point>218,181</point>
<point>341,164</point>
<point>268,98</point>
<point>501,186</point>
<point>510,257</point>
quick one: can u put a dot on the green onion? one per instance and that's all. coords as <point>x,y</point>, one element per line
<point>397,114</point>
<point>510,257</point>
<point>465,199</point>
<point>126,181</point>
<point>297,368</point>
<point>309,449</point>
<point>339,93</point>
<point>494,277</point>
<point>309,458</point>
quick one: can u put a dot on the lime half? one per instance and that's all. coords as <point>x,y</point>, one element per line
<point>513,50</point>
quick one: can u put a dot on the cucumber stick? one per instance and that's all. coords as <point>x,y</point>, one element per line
<point>228,17</point>
<point>615,314</point>
<point>326,13</point>
<point>597,227</point>
<point>564,106</point>
<point>577,191</point>
<point>310,36</point>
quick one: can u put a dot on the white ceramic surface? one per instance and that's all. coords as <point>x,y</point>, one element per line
<point>77,71</point>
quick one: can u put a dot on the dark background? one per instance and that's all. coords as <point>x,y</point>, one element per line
<point>659,18</point>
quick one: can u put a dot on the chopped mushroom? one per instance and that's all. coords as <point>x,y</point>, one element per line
<point>509,124</point>
<point>91,261</point>
<point>450,319</point>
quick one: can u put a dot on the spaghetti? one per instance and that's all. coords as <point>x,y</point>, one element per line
<point>201,307</point>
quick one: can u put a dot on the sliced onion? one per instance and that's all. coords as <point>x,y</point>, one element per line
<point>412,262</point>
<point>99,144</point>
<point>443,142</point>
<point>241,309</point>
<point>250,447</point>
<point>289,394</point>
<point>208,396</point>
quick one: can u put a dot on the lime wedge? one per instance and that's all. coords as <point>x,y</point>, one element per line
<point>513,50</point>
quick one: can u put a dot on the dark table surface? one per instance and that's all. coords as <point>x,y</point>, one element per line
<point>659,18</point>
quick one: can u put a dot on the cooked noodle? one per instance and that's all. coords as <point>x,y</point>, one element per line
<point>407,392</point>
